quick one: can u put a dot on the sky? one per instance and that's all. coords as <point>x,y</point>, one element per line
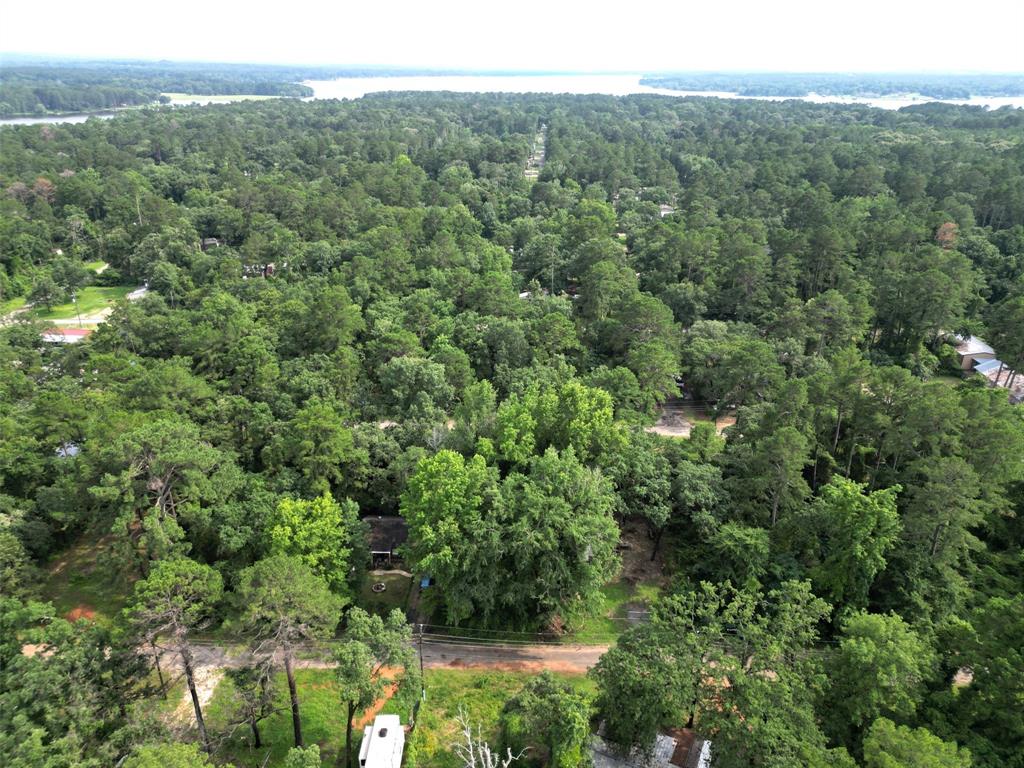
<point>565,35</point>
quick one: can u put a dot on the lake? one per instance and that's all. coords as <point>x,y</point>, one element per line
<point>43,119</point>
<point>612,85</point>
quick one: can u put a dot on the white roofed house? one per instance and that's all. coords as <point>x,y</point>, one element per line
<point>65,335</point>
<point>383,743</point>
<point>973,350</point>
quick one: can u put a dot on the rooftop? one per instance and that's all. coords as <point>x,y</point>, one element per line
<point>387,532</point>
<point>988,365</point>
<point>65,335</point>
<point>383,743</point>
<point>972,345</point>
<point>680,748</point>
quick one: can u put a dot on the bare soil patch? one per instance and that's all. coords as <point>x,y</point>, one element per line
<point>635,548</point>
<point>81,611</point>
<point>207,679</point>
<point>531,667</point>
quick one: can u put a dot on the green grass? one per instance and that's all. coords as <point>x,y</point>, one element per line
<point>696,413</point>
<point>163,707</point>
<point>11,304</point>
<point>396,595</point>
<point>95,266</point>
<point>81,578</point>
<point>609,620</point>
<point>90,301</point>
<point>323,721</point>
<point>947,378</point>
<point>482,694</point>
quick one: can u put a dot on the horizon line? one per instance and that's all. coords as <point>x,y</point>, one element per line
<point>53,59</point>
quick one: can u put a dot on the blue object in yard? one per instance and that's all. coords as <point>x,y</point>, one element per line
<point>425,582</point>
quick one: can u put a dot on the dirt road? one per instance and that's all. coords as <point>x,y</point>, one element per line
<point>210,660</point>
<point>568,659</point>
<point>443,654</point>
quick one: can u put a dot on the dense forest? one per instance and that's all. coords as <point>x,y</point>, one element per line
<point>832,84</point>
<point>368,308</point>
<point>33,89</point>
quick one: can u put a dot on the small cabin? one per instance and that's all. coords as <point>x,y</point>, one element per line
<point>971,351</point>
<point>386,534</point>
<point>383,743</point>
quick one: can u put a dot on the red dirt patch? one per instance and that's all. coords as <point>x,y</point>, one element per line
<point>81,612</point>
<point>387,673</point>
<point>377,706</point>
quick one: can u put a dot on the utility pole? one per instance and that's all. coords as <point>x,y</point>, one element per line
<point>423,682</point>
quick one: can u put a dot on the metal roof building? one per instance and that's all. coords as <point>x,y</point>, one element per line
<point>988,366</point>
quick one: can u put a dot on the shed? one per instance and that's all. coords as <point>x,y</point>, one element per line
<point>972,350</point>
<point>383,743</point>
<point>387,534</point>
<point>678,748</point>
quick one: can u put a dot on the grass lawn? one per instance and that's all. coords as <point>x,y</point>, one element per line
<point>481,693</point>
<point>396,595</point>
<point>162,707</point>
<point>323,721</point>
<point>95,266</point>
<point>610,621</point>
<point>80,582</point>
<point>90,300</point>
<point>947,378</point>
<point>10,305</point>
<point>696,413</point>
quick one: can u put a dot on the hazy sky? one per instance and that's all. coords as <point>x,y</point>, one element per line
<point>801,35</point>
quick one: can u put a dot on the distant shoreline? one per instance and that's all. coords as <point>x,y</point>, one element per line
<point>358,86</point>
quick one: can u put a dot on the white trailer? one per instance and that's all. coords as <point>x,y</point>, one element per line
<point>383,743</point>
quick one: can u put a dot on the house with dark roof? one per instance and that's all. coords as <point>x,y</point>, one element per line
<point>386,534</point>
